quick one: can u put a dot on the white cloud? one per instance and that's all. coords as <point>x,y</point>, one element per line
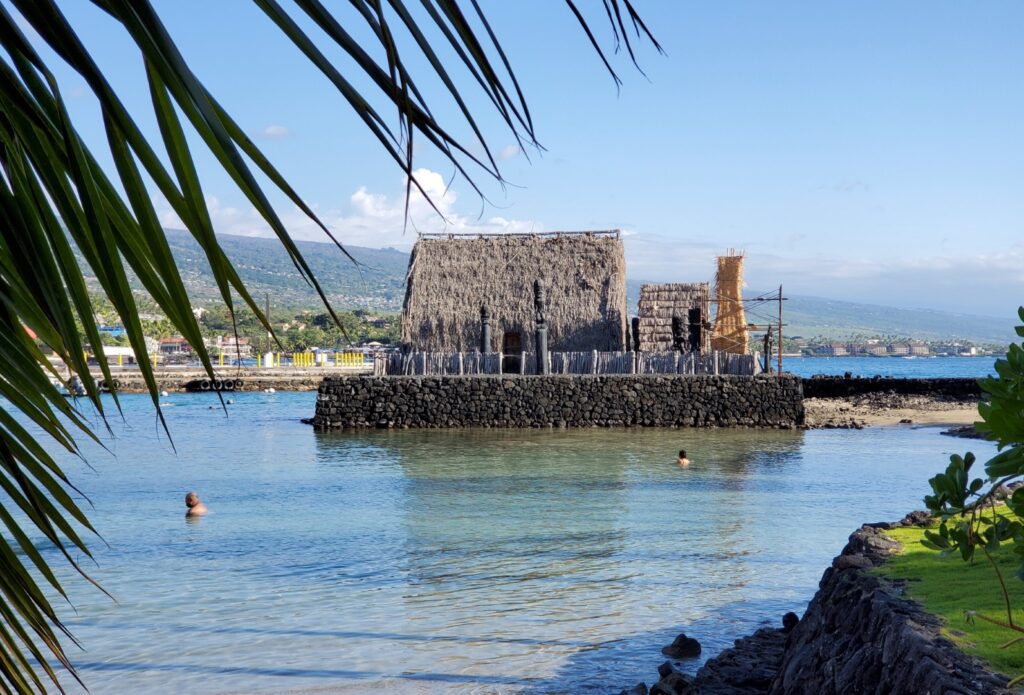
<point>275,132</point>
<point>990,284</point>
<point>509,151</point>
<point>370,219</point>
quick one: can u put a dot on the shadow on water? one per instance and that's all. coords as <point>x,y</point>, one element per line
<point>608,667</point>
<point>281,672</point>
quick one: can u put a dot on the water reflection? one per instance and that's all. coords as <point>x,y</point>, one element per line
<point>554,536</point>
<point>486,561</point>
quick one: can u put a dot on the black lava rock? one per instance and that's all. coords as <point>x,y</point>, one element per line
<point>789,621</point>
<point>682,647</point>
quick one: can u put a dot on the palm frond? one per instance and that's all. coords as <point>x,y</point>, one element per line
<point>56,198</point>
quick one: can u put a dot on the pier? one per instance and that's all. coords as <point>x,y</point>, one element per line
<point>171,379</point>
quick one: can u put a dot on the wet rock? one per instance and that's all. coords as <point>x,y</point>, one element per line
<point>674,684</point>
<point>846,562</point>
<point>638,689</point>
<point>682,647</point>
<point>858,635</point>
<point>749,667</point>
<point>666,668</point>
<point>965,432</point>
<point>918,518</point>
<point>789,621</point>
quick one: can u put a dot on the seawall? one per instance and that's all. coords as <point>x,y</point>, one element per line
<point>129,380</point>
<point>559,401</point>
<point>859,634</point>
<point>837,387</point>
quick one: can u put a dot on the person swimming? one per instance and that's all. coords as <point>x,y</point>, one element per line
<point>683,461</point>
<point>195,507</point>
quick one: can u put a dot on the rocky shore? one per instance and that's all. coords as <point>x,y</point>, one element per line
<point>887,408</point>
<point>859,634</point>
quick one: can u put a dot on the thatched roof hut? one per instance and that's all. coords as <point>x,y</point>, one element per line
<point>659,303</point>
<point>451,276</point>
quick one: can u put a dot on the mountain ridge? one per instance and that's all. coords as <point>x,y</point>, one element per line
<point>379,285</point>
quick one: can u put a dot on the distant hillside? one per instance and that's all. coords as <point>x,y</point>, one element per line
<point>811,316</point>
<point>264,267</point>
<point>829,318</point>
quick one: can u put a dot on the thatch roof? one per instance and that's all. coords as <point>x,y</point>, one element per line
<point>659,303</point>
<point>451,276</point>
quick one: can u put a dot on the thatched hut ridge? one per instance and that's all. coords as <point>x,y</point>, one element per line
<point>452,275</point>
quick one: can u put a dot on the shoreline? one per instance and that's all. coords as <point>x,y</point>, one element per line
<point>889,410</point>
<point>859,633</point>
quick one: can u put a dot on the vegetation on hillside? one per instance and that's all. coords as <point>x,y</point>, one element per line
<point>305,330</point>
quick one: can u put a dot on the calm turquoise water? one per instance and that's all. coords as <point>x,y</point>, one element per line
<point>477,562</point>
<point>973,367</point>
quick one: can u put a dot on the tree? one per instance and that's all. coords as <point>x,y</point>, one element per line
<point>54,193</point>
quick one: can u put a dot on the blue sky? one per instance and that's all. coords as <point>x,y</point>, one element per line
<point>869,151</point>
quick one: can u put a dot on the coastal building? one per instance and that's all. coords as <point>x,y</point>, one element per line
<point>230,346</point>
<point>452,276</point>
<point>877,350</point>
<point>919,349</point>
<point>174,346</point>
<point>117,355</point>
<point>899,349</point>
<point>659,303</point>
<point>832,350</point>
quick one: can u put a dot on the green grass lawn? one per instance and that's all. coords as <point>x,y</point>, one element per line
<point>948,586</point>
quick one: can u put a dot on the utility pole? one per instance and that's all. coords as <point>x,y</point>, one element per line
<point>780,331</point>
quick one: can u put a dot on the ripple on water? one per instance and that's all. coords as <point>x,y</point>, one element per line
<point>471,562</point>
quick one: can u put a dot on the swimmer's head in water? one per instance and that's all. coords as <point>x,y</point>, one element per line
<point>682,453</point>
<point>191,499</point>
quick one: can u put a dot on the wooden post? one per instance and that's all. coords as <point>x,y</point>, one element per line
<point>677,333</point>
<point>695,336</point>
<point>485,330</point>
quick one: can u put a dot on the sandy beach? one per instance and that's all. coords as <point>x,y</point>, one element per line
<point>888,409</point>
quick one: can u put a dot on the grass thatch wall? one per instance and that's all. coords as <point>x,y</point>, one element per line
<point>730,332</point>
<point>659,303</point>
<point>450,277</point>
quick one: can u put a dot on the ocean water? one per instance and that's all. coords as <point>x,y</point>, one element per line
<point>488,561</point>
<point>915,367</point>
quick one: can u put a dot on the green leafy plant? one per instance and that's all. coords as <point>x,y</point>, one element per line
<point>56,199</point>
<point>978,513</point>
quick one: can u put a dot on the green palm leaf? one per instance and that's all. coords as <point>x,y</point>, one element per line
<point>56,198</point>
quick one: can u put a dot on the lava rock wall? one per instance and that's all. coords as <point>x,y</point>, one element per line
<point>559,401</point>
